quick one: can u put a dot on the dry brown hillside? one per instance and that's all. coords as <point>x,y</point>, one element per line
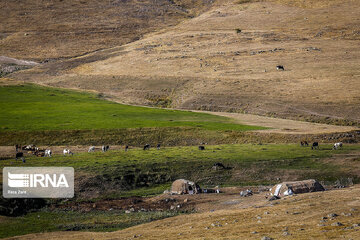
<point>42,29</point>
<point>226,58</point>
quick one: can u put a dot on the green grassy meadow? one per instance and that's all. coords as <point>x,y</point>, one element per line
<point>142,173</point>
<point>34,108</point>
<point>31,114</point>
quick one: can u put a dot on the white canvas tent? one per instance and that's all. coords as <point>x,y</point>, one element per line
<point>289,188</point>
<point>182,186</point>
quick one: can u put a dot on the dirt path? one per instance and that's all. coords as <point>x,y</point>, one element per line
<point>284,126</point>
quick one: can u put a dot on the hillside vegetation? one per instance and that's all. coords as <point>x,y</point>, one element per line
<point>45,114</point>
<point>112,174</point>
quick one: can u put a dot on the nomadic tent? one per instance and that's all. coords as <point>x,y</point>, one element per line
<point>182,186</point>
<point>289,188</point>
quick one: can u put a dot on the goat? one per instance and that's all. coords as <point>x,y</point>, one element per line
<point>280,67</point>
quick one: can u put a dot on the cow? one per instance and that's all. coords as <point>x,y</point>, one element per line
<point>146,147</point>
<point>337,145</point>
<point>20,155</point>
<point>315,145</point>
<point>201,148</point>
<point>105,148</point>
<point>280,67</point>
<point>67,151</point>
<point>91,149</point>
<point>158,146</point>
<point>48,153</point>
<point>304,143</point>
<point>126,148</point>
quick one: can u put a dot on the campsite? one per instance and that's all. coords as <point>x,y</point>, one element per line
<point>181,119</point>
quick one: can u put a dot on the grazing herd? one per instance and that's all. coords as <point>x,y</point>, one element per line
<point>315,145</point>
<point>48,153</point>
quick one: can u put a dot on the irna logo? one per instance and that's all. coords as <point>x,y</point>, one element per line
<point>37,180</point>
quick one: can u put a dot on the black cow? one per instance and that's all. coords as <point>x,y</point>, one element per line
<point>315,145</point>
<point>126,148</point>
<point>146,147</point>
<point>201,148</point>
<point>158,146</point>
<point>280,67</point>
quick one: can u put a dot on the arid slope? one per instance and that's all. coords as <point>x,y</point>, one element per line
<point>47,30</point>
<point>226,58</point>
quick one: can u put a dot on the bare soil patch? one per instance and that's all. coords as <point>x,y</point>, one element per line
<point>285,126</point>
